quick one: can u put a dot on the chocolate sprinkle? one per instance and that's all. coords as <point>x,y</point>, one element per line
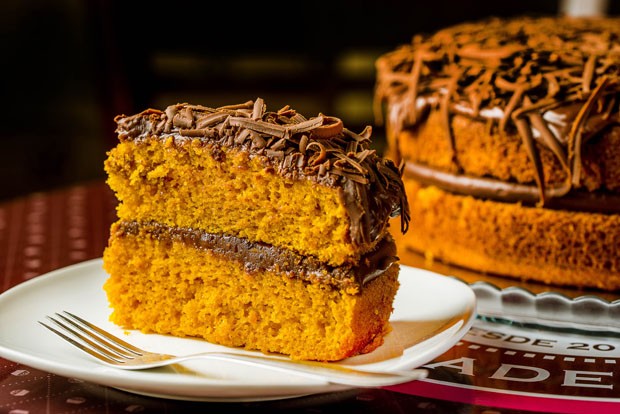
<point>520,68</point>
<point>370,186</point>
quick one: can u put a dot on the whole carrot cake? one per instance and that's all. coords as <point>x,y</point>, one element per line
<point>509,131</point>
<point>253,228</point>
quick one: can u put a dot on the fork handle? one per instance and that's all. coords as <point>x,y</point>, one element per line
<point>333,373</point>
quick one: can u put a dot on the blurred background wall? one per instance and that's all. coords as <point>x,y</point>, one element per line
<point>70,66</point>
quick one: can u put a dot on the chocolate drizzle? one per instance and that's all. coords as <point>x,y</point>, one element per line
<point>264,257</point>
<point>319,148</point>
<point>522,69</point>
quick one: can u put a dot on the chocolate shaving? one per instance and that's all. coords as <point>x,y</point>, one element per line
<point>259,109</point>
<point>303,144</point>
<point>245,105</point>
<point>322,152</point>
<point>258,126</point>
<point>306,125</point>
<point>171,111</point>
<point>211,119</point>
<point>195,132</point>
<point>183,118</point>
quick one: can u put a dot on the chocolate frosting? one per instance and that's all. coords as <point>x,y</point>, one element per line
<point>519,74</point>
<point>265,257</point>
<point>318,148</point>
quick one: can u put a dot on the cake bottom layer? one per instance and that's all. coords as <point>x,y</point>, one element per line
<point>166,286</point>
<point>549,246</point>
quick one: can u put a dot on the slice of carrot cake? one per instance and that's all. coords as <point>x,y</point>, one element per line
<point>255,229</point>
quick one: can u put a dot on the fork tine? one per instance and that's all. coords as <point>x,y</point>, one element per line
<point>113,339</point>
<point>92,352</point>
<point>102,337</point>
<point>92,339</point>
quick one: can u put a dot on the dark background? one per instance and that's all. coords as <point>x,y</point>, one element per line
<point>70,66</point>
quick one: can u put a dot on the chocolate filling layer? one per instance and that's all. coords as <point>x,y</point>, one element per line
<point>264,257</point>
<point>497,190</point>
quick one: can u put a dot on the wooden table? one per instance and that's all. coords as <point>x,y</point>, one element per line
<point>496,368</point>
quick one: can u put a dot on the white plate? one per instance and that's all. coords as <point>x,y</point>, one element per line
<point>431,314</point>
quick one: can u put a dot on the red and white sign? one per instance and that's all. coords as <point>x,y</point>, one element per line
<point>512,367</point>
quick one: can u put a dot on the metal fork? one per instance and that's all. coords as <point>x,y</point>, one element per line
<point>115,352</point>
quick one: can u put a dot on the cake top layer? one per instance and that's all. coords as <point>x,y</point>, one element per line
<point>318,148</point>
<point>553,80</point>
<point>480,65</point>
